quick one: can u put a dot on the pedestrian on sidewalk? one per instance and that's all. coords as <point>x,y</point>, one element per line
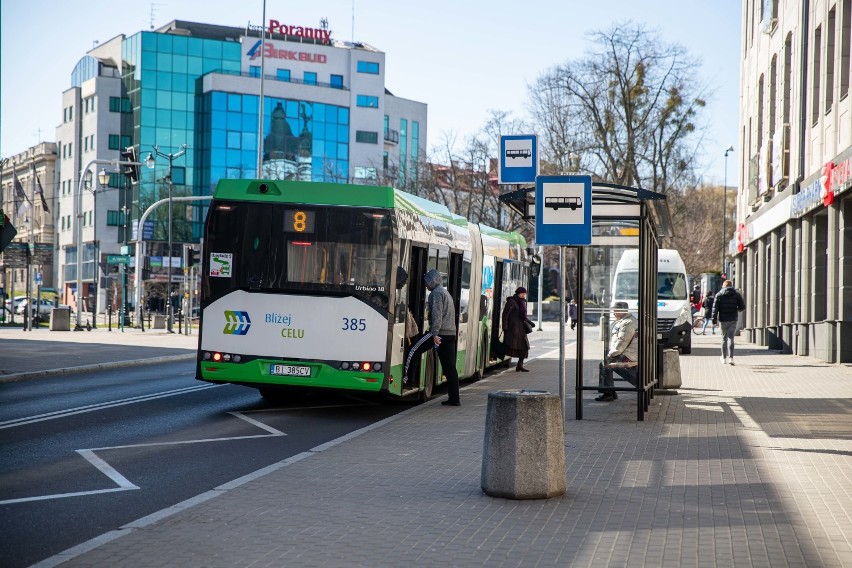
<point>726,307</point>
<point>707,306</point>
<point>623,354</point>
<point>442,326</point>
<point>516,326</point>
<point>572,313</point>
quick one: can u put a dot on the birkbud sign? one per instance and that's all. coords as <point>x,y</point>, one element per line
<point>323,35</point>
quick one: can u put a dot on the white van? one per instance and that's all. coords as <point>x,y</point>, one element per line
<point>674,315</point>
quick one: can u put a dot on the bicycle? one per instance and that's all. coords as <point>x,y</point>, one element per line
<point>698,325</point>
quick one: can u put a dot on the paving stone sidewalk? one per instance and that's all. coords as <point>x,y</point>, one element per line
<point>749,465</point>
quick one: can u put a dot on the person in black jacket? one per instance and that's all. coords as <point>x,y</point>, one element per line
<point>707,305</point>
<point>726,307</point>
<point>514,332</point>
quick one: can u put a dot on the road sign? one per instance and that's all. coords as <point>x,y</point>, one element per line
<point>518,159</point>
<point>118,259</point>
<point>563,210</point>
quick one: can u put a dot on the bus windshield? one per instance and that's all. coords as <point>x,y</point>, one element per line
<point>296,248</point>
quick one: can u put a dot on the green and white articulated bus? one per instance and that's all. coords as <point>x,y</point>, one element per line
<point>307,286</point>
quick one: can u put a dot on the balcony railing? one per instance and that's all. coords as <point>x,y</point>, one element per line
<point>392,136</point>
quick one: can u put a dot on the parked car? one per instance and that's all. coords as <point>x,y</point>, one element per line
<point>44,307</point>
<point>13,303</point>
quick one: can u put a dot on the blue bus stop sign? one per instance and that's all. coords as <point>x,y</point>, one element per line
<point>518,159</point>
<point>563,210</point>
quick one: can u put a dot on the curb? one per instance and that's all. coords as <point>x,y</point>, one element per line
<point>94,367</point>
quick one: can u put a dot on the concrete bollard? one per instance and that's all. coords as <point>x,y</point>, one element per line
<point>60,319</point>
<point>524,451</point>
<point>159,322</point>
<point>670,370</point>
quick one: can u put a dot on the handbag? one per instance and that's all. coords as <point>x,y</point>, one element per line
<point>528,326</point>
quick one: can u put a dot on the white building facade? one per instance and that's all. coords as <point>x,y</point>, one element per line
<point>792,247</point>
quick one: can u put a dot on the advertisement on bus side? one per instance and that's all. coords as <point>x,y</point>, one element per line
<point>302,327</point>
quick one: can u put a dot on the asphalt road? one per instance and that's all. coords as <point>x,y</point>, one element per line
<point>85,454</point>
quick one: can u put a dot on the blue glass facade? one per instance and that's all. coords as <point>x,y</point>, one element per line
<point>302,140</point>
<point>159,74</point>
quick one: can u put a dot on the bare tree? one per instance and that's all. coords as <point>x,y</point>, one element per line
<point>462,176</point>
<point>696,215</point>
<point>630,109</point>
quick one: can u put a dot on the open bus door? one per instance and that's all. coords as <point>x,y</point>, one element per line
<point>417,309</point>
<point>454,286</point>
<point>497,310</point>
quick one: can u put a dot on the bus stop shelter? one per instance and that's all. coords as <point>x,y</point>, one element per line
<point>619,265</point>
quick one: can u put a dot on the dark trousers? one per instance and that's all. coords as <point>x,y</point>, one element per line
<point>447,357</point>
<point>605,378</point>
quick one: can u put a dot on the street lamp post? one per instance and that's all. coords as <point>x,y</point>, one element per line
<point>151,162</point>
<point>728,150</point>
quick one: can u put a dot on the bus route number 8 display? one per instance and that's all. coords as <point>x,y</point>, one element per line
<point>299,221</point>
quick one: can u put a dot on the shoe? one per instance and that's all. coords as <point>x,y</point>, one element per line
<point>607,397</point>
<point>723,360</point>
<point>450,403</point>
<point>731,361</point>
<point>521,370</point>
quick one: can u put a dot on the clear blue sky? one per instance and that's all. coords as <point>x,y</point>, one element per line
<point>460,57</point>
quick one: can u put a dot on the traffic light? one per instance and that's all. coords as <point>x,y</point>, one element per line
<point>131,171</point>
<point>193,258</point>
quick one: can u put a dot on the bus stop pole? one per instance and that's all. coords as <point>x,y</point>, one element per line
<point>578,411</point>
<point>540,285</point>
<point>562,298</point>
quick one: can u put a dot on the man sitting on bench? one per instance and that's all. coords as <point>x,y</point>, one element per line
<point>623,354</point>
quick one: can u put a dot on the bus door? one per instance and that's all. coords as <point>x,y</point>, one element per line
<point>416,307</point>
<point>497,305</point>
<point>454,281</point>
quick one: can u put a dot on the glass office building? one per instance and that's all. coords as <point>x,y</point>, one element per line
<point>160,72</point>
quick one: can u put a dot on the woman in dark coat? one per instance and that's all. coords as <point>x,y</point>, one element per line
<point>514,331</point>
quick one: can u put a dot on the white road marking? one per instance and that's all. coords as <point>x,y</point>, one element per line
<point>123,483</point>
<point>106,469</point>
<point>100,406</point>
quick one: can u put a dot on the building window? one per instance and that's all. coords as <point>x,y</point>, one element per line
<point>415,149</point>
<point>829,60</point>
<point>118,104</point>
<point>337,81</point>
<point>816,77</point>
<point>283,75</point>
<point>845,47</point>
<point>403,150</point>
<point>117,180</point>
<point>254,71</point>
<point>365,173</point>
<point>366,137</point>
<point>114,142</point>
<point>115,218</point>
<point>368,67</point>
<point>367,101</point>
<point>310,78</point>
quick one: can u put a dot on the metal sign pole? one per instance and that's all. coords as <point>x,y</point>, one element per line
<point>562,332</point>
<point>578,411</point>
